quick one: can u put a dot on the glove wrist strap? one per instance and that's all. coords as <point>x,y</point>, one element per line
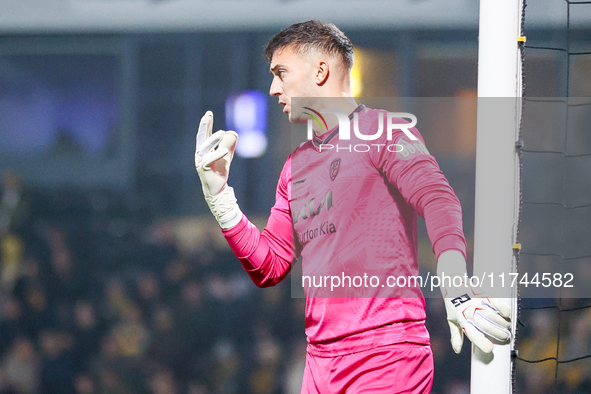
<point>224,207</point>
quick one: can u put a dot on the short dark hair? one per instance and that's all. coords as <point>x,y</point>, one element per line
<point>314,34</point>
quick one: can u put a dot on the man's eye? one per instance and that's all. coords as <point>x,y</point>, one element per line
<point>281,74</point>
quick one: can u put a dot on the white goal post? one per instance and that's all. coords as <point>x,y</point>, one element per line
<point>497,170</point>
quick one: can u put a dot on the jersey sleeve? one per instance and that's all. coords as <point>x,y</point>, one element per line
<point>267,257</point>
<point>417,176</point>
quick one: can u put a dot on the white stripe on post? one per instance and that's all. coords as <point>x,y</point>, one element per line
<point>499,89</point>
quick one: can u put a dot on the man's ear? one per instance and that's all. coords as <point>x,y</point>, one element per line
<point>322,73</point>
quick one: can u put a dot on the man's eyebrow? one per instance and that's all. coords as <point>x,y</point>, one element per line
<point>274,68</point>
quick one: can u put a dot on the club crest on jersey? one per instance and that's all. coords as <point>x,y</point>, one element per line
<point>334,168</point>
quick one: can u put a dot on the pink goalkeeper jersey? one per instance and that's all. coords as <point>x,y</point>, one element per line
<point>352,211</point>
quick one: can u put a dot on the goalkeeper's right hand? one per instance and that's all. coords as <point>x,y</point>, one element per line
<point>213,167</point>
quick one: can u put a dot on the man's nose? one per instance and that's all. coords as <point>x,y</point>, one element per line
<point>275,89</point>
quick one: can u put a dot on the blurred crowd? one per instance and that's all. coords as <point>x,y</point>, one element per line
<point>89,303</point>
<point>98,296</point>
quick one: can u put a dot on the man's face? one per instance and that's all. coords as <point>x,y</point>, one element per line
<point>293,76</point>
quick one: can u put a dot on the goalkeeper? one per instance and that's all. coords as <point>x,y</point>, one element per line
<point>349,209</point>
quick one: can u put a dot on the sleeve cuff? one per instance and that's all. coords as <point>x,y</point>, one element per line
<point>239,227</point>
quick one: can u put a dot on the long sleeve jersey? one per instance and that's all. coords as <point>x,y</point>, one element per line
<point>349,207</point>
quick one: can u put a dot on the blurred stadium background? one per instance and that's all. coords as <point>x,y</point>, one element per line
<point>113,276</point>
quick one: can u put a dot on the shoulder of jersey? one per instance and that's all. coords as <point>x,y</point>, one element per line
<point>370,115</point>
<point>304,145</point>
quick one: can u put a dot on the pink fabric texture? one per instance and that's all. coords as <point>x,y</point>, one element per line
<point>399,368</point>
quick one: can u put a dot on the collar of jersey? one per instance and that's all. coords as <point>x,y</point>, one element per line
<point>329,135</point>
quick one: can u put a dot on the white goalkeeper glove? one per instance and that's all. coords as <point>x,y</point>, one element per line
<point>213,167</point>
<point>468,310</point>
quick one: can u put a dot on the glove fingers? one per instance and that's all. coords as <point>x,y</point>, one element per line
<point>229,140</point>
<point>457,337</point>
<point>204,131</point>
<point>229,143</point>
<point>478,338</point>
<point>208,146</point>
<point>501,306</point>
<point>493,317</point>
<point>213,157</point>
<point>492,330</point>
<point>489,322</point>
